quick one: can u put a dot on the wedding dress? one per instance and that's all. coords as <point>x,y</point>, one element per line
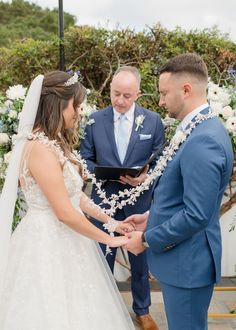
<point>57,279</point>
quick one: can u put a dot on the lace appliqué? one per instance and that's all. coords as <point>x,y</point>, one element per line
<point>52,144</point>
<point>73,181</point>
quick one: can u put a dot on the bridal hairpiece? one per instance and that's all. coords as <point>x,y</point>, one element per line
<point>73,80</point>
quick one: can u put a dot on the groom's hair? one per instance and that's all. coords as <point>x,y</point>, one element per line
<point>188,63</point>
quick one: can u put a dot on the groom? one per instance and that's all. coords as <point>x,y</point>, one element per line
<point>182,235</point>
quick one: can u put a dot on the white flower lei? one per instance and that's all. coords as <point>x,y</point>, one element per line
<point>132,194</point>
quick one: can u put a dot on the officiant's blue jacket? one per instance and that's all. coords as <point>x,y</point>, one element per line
<point>99,148</point>
<point>183,226</point>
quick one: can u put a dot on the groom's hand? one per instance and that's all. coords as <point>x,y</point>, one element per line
<point>138,221</point>
<point>134,244</point>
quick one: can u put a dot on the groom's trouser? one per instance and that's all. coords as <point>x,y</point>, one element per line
<point>186,309</point>
<point>139,274</point>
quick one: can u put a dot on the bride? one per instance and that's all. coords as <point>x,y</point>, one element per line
<point>52,274</point>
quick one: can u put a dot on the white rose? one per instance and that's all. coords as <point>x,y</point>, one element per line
<point>227,112</point>
<point>7,157</point>
<point>16,92</point>
<point>4,138</point>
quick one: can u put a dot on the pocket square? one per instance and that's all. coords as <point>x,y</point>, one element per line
<point>145,136</point>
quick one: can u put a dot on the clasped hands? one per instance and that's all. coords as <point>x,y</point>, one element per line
<point>133,228</point>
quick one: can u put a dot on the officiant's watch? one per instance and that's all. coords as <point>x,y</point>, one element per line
<point>145,243</point>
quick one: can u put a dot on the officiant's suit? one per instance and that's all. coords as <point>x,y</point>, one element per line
<point>99,148</point>
<point>183,229</point>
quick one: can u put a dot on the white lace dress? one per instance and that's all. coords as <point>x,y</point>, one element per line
<point>57,279</point>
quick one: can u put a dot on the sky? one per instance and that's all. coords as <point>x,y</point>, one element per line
<point>138,14</point>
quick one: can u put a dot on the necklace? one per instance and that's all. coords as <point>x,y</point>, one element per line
<point>129,196</point>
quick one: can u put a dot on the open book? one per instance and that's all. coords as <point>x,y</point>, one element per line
<point>114,173</point>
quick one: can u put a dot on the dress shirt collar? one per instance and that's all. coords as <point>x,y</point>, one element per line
<point>187,119</point>
<point>129,114</point>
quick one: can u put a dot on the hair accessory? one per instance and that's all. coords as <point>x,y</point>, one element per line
<point>73,80</point>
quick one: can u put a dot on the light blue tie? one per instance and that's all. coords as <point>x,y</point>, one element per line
<point>121,138</point>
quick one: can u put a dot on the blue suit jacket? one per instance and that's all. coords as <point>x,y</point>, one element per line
<point>183,226</point>
<point>99,147</point>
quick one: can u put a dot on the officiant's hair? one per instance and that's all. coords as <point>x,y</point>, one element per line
<point>131,69</point>
<point>55,96</point>
<point>189,63</point>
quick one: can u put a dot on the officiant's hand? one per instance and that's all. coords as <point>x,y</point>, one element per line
<point>138,221</point>
<point>134,244</point>
<point>127,179</point>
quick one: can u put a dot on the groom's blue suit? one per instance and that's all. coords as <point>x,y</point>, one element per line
<point>99,147</point>
<point>183,227</point>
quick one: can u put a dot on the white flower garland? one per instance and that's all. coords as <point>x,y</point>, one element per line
<point>130,196</point>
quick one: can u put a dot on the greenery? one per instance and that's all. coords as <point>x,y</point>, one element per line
<point>21,19</point>
<point>97,52</point>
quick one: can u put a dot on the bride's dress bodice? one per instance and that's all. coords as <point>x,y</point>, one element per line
<point>34,196</point>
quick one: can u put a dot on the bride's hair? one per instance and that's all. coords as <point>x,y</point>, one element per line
<point>54,99</point>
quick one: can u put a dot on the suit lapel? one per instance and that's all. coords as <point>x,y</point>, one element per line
<point>204,112</point>
<point>109,128</point>
<point>134,134</point>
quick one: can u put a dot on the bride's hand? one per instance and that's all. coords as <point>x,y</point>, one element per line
<point>124,228</point>
<point>118,241</point>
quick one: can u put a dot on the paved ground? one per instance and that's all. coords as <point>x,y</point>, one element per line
<point>222,302</point>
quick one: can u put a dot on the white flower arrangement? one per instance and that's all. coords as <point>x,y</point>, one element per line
<point>10,107</point>
<point>222,101</point>
<point>87,110</point>
<point>139,122</point>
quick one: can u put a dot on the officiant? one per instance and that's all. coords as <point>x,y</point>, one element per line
<point>125,135</point>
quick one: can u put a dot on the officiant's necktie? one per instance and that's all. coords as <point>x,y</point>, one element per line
<point>121,137</point>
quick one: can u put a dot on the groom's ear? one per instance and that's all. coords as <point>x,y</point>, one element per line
<point>187,89</point>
